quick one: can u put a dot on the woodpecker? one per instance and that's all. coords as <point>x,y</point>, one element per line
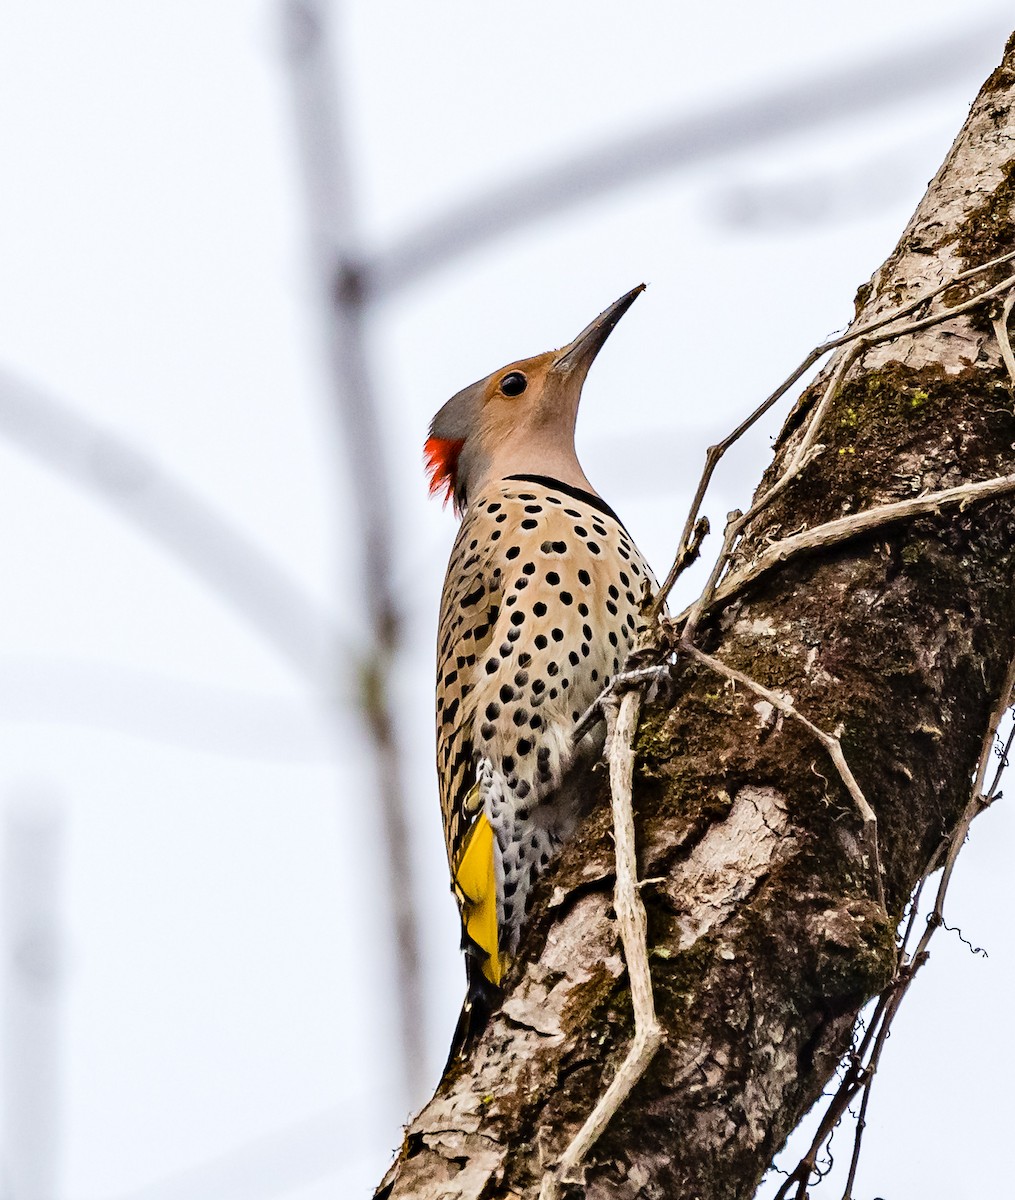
<point>541,604</point>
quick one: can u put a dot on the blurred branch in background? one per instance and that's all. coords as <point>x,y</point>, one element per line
<point>793,203</point>
<point>133,484</point>
<point>332,236</point>
<point>171,712</point>
<point>32,976</point>
<point>837,94</point>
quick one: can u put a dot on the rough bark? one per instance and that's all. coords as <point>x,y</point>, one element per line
<point>765,935</point>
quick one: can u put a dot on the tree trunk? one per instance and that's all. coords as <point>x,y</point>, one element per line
<point>766,937</point>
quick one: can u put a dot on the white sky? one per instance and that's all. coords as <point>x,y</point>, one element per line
<point>225,1024</point>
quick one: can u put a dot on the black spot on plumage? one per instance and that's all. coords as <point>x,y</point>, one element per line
<point>537,686</point>
<point>630,621</point>
<point>585,649</point>
<point>529,523</point>
<point>495,535</point>
<point>536,722</point>
<point>525,496</point>
<point>583,609</point>
<point>512,551</point>
<point>611,608</point>
<point>587,633</point>
<point>630,598</point>
<point>635,568</point>
<point>450,678</point>
<point>520,717</point>
<point>613,638</point>
<point>575,715</point>
<point>573,658</point>
<point>514,634</point>
<point>557,634</point>
<point>594,675</point>
<point>584,578</point>
<point>521,678</point>
<point>522,788</point>
<point>593,546</point>
<point>494,507</point>
<point>552,669</point>
<point>599,529</point>
<point>524,660</point>
<point>512,599</point>
<point>572,512</point>
<point>487,732</point>
<point>501,518</point>
<point>491,665</point>
<point>517,618</point>
<point>625,579</point>
<point>505,649</point>
<point>492,711</point>
<point>521,583</point>
<point>552,578</point>
<point>566,598</point>
<point>507,693</point>
<point>553,693</point>
<point>529,568</point>
<point>540,642</point>
<point>508,764</point>
<point>614,593</point>
<point>623,553</point>
<point>474,597</point>
<point>539,609</point>
<point>481,631</point>
<point>533,508</point>
<point>522,747</point>
<point>581,531</point>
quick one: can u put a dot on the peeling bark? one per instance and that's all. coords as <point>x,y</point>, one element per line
<point>765,936</point>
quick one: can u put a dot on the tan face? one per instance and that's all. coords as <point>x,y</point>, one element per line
<point>520,419</point>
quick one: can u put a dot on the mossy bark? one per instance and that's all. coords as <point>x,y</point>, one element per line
<point>765,935</point>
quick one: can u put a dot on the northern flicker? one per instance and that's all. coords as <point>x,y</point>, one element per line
<point>541,603</point>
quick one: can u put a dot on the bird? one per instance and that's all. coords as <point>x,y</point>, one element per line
<point>544,597</point>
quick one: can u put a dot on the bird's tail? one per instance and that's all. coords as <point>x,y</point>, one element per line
<point>481,999</point>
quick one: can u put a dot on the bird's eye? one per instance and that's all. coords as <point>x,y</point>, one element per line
<point>513,384</point>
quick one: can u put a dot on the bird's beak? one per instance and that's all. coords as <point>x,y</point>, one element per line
<point>579,355</point>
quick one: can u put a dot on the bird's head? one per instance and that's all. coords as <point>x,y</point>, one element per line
<point>520,419</point>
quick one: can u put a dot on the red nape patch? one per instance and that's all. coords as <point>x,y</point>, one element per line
<point>442,464</point>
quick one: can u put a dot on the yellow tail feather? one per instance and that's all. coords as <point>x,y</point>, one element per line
<point>476,884</point>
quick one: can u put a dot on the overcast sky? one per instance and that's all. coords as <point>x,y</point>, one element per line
<point>224,1011</point>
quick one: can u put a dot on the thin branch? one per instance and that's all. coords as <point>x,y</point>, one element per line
<point>830,742</point>
<point>622,723</point>
<point>1000,322</point>
<point>844,529</point>
<point>869,334</point>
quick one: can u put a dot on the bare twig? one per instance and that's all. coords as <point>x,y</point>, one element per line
<point>830,742</point>
<point>864,336</point>
<point>865,1059</point>
<point>857,524</point>
<point>1000,323</point>
<point>622,720</point>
